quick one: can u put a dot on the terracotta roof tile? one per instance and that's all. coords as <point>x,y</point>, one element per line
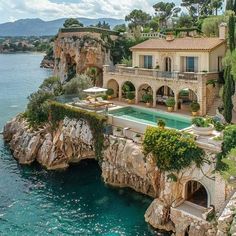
<point>180,44</point>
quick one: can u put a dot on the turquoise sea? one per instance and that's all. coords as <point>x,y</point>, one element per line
<point>34,201</point>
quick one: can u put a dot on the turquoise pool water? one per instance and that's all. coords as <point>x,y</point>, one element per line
<point>151,117</point>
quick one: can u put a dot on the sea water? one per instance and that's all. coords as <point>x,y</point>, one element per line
<point>34,201</point>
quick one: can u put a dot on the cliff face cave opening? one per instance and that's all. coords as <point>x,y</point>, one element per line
<point>196,193</point>
<point>71,67</point>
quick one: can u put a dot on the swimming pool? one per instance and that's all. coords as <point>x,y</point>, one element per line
<point>149,117</point>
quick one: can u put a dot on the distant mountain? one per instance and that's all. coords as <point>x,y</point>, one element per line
<point>38,27</point>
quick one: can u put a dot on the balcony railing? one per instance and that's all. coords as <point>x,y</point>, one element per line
<point>153,73</point>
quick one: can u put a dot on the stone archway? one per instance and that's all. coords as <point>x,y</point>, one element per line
<point>113,84</point>
<point>143,90</point>
<point>163,93</point>
<point>196,193</point>
<point>127,89</point>
<point>185,97</point>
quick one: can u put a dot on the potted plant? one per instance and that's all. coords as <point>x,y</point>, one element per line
<point>170,103</point>
<point>201,126</point>
<point>130,97</point>
<point>195,107</point>
<point>137,138</point>
<point>161,124</point>
<point>148,98</point>
<point>109,93</point>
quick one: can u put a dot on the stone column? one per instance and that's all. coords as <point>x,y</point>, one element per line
<point>120,92</point>
<point>154,104</point>
<point>202,93</point>
<point>176,101</point>
<point>136,96</point>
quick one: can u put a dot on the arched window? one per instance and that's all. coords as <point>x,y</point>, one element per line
<point>168,64</point>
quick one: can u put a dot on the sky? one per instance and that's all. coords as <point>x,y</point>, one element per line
<point>11,10</point>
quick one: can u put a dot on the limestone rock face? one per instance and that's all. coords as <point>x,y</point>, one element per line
<point>72,141</point>
<point>125,165</point>
<point>80,50</point>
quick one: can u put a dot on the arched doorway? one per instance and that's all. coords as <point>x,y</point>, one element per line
<point>185,97</point>
<point>145,93</point>
<point>168,64</point>
<point>196,193</point>
<point>128,90</point>
<point>163,93</point>
<point>112,84</point>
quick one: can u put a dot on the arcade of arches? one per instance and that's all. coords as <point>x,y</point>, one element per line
<point>183,97</point>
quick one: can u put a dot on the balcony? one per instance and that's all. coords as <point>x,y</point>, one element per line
<point>156,74</point>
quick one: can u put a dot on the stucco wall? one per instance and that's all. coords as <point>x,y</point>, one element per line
<point>218,52</point>
<point>207,61</point>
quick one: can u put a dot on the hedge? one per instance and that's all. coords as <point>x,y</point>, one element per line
<point>59,111</point>
<point>89,29</point>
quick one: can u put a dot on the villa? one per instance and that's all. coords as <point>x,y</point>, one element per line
<point>183,68</point>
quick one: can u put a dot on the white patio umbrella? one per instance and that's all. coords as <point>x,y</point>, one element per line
<point>95,90</point>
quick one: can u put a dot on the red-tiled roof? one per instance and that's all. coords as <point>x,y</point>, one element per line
<point>180,44</point>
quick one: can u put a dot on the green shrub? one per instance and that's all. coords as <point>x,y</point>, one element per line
<point>147,98</point>
<point>170,102</point>
<point>172,150</point>
<point>229,139</point>
<point>130,95</point>
<point>77,85</point>
<point>96,122</point>
<point>38,107</point>
<point>195,106</point>
<point>200,122</point>
<point>110,92</point>
<point>52,84</point>
<point>127,61</point>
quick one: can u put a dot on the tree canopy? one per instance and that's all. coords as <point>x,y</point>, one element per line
<point>138,18</point>
<point>72,22</point>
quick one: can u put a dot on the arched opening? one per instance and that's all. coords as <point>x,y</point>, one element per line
<point>112,84</point>
<point>70,67</point>
<point>162,94</point>
<point>196,193</point>
<point>168,64</point>
<point>128,91</point>
<point>145,94</point>
<point>185,97</point>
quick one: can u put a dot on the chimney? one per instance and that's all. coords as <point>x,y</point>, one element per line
<point>170,37</point>
<point>223,31</point>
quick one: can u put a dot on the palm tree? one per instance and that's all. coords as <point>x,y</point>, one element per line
<point>92,72</point>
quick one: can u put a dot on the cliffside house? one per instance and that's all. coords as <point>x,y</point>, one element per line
<point>183,68</point>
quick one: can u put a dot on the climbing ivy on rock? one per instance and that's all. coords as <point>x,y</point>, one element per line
<point>59,111</point>
<point>172,149</point>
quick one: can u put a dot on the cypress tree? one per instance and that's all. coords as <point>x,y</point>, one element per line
<point>227,94</point>
<point>231,33</point>
<point>229,5</point>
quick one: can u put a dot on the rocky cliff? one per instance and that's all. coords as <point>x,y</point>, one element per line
<point>124,165</point>
<point>123,162</point>
<point>74,52</point>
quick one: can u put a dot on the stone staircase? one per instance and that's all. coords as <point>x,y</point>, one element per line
<point>212,109</point>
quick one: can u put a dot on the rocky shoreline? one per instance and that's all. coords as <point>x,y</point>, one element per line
<point>123,165</point>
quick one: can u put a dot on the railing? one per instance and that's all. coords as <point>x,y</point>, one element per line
<point>155,74</point>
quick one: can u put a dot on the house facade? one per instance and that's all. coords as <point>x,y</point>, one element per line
<point>183,68</point>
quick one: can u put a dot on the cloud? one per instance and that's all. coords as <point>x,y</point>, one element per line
<point>48,9</point>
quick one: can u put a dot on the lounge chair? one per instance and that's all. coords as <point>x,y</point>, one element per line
<point>102,101</point>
